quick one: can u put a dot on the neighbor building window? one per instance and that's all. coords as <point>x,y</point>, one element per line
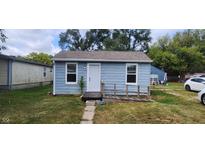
<point>131,73</point>
<point>44,72</point>
<point>71,76</point>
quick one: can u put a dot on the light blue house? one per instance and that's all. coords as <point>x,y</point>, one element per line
<point>158,75</point>
<point>110,71</point>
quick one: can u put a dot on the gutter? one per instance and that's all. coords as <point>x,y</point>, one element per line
<point>100,60</point>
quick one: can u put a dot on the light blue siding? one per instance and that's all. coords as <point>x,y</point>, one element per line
<point>144,76</point>
<point>115,73</point>
<point>159,72</point>
<point>111,73</point>
<point>60,83</point>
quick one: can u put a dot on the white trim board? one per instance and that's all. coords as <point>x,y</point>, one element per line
<point>137,73</point>
<point>66,73</point>
<point>101,60</point>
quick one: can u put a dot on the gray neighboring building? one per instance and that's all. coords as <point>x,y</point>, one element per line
<point>17,73</point>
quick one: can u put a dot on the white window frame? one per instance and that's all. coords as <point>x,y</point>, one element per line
<point>66,72</point>
<point>128,83</point>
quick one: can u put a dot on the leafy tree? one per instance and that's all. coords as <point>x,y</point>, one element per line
<point>167,61</point>
<point>2,39</point>
<point>141,40</point>
<point>199,39</point>
<point>40,57</point>
<point>104,39</point>
<point>118,41</point>
<point>190,38</point>
<point>182,54</point>
<point>128,40</point>
<point>163,43</point>
<point>184,39</point>
<point>95,38</point>
<point>192,59</point>
<point>72,40</point>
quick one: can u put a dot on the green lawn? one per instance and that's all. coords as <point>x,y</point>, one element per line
<point>36,106</point>
<point>172,104</point>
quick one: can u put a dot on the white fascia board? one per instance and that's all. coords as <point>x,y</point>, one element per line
<point>100,60</point>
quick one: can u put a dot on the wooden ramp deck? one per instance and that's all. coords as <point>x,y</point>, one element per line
<point>92,96</point>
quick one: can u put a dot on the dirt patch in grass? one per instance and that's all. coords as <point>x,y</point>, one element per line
<point>164,98</point>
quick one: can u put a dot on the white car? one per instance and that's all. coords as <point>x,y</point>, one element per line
<point>201,96</point>
<point>200,76</point>
<point>195,84</point>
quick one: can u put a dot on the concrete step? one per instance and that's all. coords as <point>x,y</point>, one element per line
<point>87,116</point>
<point>86,122</point>
<point>90,108</point>
<point>90,103</point>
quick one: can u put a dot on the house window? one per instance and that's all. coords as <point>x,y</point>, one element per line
<point>71,76</point>
<point>44,72</point>
<point>131,73</point>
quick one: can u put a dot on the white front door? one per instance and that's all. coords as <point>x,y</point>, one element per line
<point>93,77</point>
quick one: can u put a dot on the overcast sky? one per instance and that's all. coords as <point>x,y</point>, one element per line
<point>22,42</point>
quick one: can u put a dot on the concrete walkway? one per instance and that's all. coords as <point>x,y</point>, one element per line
<point>89,113</point>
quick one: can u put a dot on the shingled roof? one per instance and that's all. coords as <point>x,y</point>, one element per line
<point>13,58</point>
<point>109,56</point>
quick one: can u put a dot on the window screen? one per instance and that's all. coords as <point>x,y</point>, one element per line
<point>71,72</point>
<point>131,73</point>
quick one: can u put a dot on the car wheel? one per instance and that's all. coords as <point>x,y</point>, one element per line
<point>203,99</point>
<point>187,87</point>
